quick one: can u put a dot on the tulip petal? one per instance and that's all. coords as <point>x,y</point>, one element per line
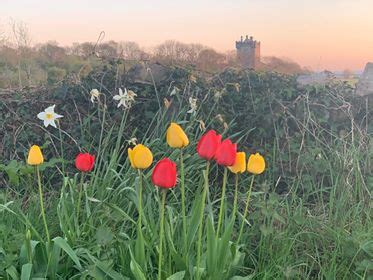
<point>256,164</point>
<point>164,174</point>
<point>84,162</point>
<point>35,156</point>
<point>226,153</point>
<point>176,137</point>
<point>240,163</point>
<point>141,157</point>
<point>130,156</point>
<point>208,144</point>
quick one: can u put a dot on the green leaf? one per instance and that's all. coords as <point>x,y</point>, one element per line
<point>177,276</point>
<point>194,221</point>
<point>60,242</point>
<point>211,251</point>
<point>367,247</point>
<point>242,277</point>
<point>23,255</point>
<point>136,270</point>
<point>12,272</point>
<point>26,271</point>
<point>108,271</point>
<point>119,211</point>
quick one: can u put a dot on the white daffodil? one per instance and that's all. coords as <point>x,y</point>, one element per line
<point>174,91</point>
<point>132,141</point>
<point>125,98</point>
<point>95,94</point>
<point>193,105</point>
<point>218,94</point>
<point>49,117</point>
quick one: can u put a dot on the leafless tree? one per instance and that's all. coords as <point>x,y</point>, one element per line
<point>51,51</point>
<point>211,60</point>
<point>84,49</point>
<point>131,51</point>
<point>177,52</point>
<point>22,40</point>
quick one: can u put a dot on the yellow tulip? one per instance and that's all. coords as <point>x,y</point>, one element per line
<point>35,157</point>
<point>240,163</point>
<point>176,137</point>
<point>256,164</point>
<point>140,157</point>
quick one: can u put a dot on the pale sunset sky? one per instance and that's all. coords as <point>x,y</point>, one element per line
<point>321,34</point>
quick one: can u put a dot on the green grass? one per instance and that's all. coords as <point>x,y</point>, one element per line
<point>314,225</point>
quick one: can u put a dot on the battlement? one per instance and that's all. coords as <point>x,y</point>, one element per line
<point>248,52</point>
<point>248,42</point>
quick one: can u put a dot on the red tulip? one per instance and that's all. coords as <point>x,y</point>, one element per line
<point>226,153</point>
<point>207,145</point>
<point>84,162</point>
<point>164,174</point>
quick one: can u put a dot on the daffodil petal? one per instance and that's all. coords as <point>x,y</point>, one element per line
<point>42,116</point>
<point>50,109</point>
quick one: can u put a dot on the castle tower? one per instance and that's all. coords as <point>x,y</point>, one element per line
<point>248,52</point>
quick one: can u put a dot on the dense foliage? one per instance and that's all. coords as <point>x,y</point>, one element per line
<point>311,212</point>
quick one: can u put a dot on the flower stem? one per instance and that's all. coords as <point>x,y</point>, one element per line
<point>140,249</point>
<point>246,209</point>
<point>182,184</point>
<point>161,229</point>
<point>42,210</point>
<point>222,202</point>
<point>139,221</point>
<point>81,185</point>
<point>235,197</point>
<point>200,228</point>
<point>61,147</point>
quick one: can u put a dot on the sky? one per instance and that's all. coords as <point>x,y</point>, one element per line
<point>320,34</point>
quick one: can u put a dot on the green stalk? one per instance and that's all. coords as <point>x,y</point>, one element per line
<point>183,211</point>
<point>246,209</point>
<point>235,197</point>
<point>234,212</point>
<point>139,221</point>
<point>81,185</point>
<point>140,249</point>
<point>222,202</point>
<point>28,246</point>
<point>161,229</point>
<point>42,210</point>
<point>200,228</point>
<point>61,147</point>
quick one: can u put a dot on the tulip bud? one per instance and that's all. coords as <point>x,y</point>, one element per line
<point>256,164</point>
<point>208,144</point>
<point>176,137</point>
<point>140,157</point>
<point>164,174</point>
<point>85,162</point>
<point>240,163</point>
<point>226,153</point>
<point>35,156</point>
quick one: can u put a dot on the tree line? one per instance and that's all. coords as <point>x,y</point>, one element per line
<point>25,64</point>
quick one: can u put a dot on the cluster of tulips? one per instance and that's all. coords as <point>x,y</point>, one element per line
<point>210,147</point>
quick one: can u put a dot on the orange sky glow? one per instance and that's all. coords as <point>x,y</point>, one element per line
<point>334,34</point>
